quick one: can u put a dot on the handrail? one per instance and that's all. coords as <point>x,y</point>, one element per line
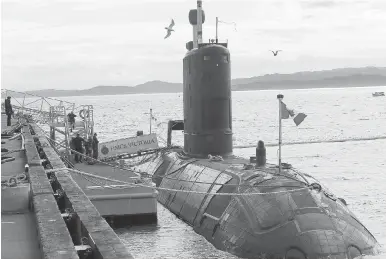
<point>52,112</point>
<point>50,98</point>
<point>45,103</point>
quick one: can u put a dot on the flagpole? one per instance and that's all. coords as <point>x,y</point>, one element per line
<point>280,98</point>
<point>151,117</point>
<point>216,29</point>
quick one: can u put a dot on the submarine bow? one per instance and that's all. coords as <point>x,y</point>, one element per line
<point>257,212</point>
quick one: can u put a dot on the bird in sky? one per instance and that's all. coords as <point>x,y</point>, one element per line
<point>169,29</point>
<point>275,52</point>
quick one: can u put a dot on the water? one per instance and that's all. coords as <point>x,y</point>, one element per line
<point>169,238</point>
<point>353,170</point>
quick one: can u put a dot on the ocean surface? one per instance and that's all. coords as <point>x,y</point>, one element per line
<point>354,170</point>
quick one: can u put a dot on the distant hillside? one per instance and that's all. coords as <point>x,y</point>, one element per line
<point>313,75</point>
<point>357,80</point>
<point>341,77</point>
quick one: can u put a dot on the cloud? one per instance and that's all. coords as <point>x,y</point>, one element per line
<point>331,3</point>
<point>318,3</point>
<point>83,43</point>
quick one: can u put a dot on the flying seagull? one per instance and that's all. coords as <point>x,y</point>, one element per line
<point>169,29</point>
<point>275,52</point>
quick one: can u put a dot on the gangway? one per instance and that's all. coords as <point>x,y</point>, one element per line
<point>51,115</point>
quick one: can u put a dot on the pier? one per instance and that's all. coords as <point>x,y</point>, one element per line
<point>45,213</point>
<point>120,206</point>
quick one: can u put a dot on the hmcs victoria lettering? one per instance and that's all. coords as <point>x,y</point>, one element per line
<point>133,144</point>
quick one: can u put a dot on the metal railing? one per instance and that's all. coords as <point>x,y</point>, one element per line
<point>51,113</point>
<point>36,105</point>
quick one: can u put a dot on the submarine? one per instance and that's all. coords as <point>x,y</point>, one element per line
<point>246,207</point>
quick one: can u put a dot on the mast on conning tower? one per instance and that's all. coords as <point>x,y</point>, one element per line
<point>199,22</point>
<point>196,19</point>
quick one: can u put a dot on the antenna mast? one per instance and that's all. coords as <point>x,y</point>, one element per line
<point>216,29</point>
<point>199,22</point>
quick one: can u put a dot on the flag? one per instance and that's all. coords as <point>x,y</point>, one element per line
<point>299,118</point>
<point>229,23</point>
<point>286,113</point>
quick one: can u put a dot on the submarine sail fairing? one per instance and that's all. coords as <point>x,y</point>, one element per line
<point>245,207</point>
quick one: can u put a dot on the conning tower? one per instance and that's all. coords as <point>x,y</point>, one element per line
<point>206,94</point>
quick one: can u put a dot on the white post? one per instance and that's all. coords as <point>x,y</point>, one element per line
<point>151,117</point>
<point>195,43</point>
<point>216,29</point>
<point>280,98</point>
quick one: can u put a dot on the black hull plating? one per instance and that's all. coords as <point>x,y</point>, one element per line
<point>303,223</point>
<point>207,101</point>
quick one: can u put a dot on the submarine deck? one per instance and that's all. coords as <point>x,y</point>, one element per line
<point>241,167</point>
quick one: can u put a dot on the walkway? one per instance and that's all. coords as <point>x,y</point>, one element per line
<point>19,238</point>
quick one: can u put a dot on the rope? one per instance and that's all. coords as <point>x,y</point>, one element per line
<point>88,157</point>
<point>131,185</point>
<point>149,177</point>
<point>7,159</point>
<point>181,167</point>
<point>12,151</point>
<point>14,137</point>
<point>12,129</point>
<point>87,174</point>
<point>14,180</point>
<point>229,23</point>
<point>228,184</point>
<point>216,194</point>
<point>84,174</point>
<point>315,142</point>
<point>103,162</point>
<point>151,154</point>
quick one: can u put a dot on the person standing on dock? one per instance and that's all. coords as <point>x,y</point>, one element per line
<point>78,141</point>
<point>71,119</point>
<point>72,146</point>
<point>95,142</point>
<point>88,147</point>
<point>8,110</point>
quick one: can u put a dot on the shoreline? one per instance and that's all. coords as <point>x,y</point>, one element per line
<point>235,90</point>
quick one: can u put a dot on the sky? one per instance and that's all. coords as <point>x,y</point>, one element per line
<point>79,44</point>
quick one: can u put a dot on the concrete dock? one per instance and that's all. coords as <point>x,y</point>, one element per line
<point>18,227</point>
<point>120,206</point>
<point>45,214</point>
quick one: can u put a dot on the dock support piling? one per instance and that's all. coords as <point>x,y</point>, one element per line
<point>63,231</point>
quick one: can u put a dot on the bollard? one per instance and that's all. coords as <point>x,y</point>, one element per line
<point>121,163</point>
<point>260,154</point>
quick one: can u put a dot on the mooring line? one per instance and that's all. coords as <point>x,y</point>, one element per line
<point>131,185</point>
<point>315,142</point>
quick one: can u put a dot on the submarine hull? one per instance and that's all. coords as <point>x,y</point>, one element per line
<point>286,220</point>
<point>249,211</point>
